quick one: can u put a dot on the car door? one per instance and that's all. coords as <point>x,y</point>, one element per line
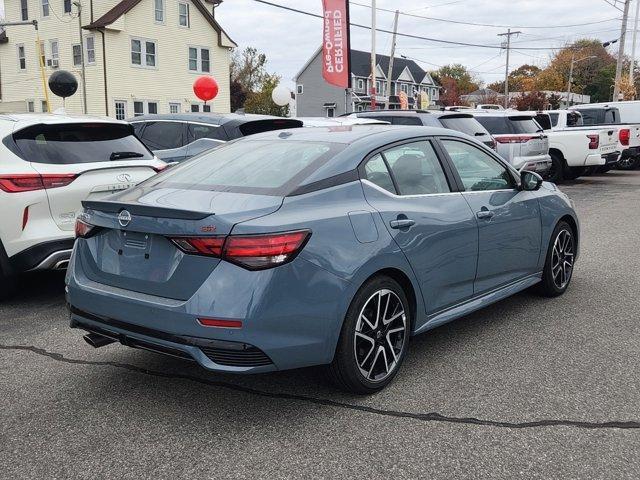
<point>509,226</point>
<point>163,135</point>
<point>430,221</point>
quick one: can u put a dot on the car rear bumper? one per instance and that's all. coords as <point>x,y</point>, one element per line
<point>53,255</point>
<point>285,324</point>
<point>537,163</point>
<point>630,152</point>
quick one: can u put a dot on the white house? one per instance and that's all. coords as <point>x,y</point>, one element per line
<point>140,56</point>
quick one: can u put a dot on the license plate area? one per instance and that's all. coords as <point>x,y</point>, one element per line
<point>135,244</point>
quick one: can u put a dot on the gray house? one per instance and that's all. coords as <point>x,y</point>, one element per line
<point>316,98</point>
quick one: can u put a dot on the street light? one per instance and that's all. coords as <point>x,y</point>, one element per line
<point>571,74</point>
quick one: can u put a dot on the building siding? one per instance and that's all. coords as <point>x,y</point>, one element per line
<point>317,92</point>
<point>170,81</point>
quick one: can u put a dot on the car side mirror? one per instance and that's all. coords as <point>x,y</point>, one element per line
<point>530,181</point>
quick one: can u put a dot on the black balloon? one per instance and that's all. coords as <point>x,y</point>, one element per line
<point>63,83</point>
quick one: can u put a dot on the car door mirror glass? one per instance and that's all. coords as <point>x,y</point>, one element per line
<point>530,180</point>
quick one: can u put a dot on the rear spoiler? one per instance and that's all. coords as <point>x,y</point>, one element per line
<point>144,210</point>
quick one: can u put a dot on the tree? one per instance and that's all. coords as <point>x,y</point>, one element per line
<point>465,81</point>
<point>522,79</point>
<point>248,68</point>
<point>238,95</point>
<point>450,94</point>
<point>534,100</point>
<point>261,101</point>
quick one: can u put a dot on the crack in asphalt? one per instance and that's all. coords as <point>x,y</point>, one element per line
<point>425,417</point>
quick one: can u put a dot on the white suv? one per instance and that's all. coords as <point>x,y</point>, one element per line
<point>48,165</point>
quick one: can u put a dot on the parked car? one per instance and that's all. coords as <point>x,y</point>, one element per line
<point>316,246</point>
<point>489,106</point>
<point>601,114</point>
<point>338,121</point>
<point>459,121</point>
<point>520,140</point>
<point>574,147</point>
<point>174,137</point>
<point>50,163</point>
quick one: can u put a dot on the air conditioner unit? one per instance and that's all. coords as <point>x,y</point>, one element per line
<point>55,63</point>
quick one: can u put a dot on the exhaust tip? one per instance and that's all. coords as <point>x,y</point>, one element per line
<point>97,341</point>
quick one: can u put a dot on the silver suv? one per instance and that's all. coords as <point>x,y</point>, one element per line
<point>519,138</point>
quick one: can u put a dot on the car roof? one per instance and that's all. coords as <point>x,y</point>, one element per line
<point>12,122</point>
<point>211,118</point>
<point>501,113</point>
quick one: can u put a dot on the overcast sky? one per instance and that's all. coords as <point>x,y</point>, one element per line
<point>289,38</point>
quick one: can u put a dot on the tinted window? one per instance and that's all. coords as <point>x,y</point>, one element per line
<point>258,126</point>
<point>376,172</point>
<point>544,120</point>
<point>495,125</point>
<point>524,125</point>
<point>79,143</point>
<point>404,120</point>
<point>416,169</point>
<point>478,170</point>
<point>574,119</point>
<point>597,116</point>
<point>198,131</point>
<point>269,167</point>
<point>611,116</point>
<point>467,125</point>
<point>554,119</point>
<point>163,135</point>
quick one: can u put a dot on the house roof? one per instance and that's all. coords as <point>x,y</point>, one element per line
<point>125,6</point>
<point>361,65</point>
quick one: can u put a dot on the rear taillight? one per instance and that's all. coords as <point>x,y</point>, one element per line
<point>594,141</point>
<point>28,182</point>
<point>514,139</point>
<point>218,323</point>
<point>254,252</point>
<point>624,135</point>
<point>83,229</point>
<point>160,169</point>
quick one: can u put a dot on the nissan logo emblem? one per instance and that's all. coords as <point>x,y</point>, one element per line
<point>124,218</point>
<point>124,177</point>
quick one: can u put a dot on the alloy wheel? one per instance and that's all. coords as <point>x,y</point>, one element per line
<point>562,258</point>
<point>381,331</point>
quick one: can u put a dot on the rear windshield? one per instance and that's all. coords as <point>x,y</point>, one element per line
<point>501,125</point>
<point>266,167</point>
<point>259,126</point>
<point>468,125</point>
<point>79,143</point>
<point>600,116</point>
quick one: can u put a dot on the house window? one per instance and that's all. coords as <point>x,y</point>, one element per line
<point>195,107</point>
<point>45,107</point>
<point>22,60</point>
<point>404,87</point>
<point>152,108</point>
<point>183,15</point>
<point>143,53</point>
<point>53,46</point>
<point>77,55</point>
<point>91,49</point>
<point>121,110</point>
<point>199,60</point>
<point>45,9</point>
<point>138,109</point>
<point>331,112</point>
<point>67,6</point>
<point>141,107</point>
<point>206,108</point>
<point>24,10</point>
<point>360,85</point>
<point>174,107</point>
<point>31,106</point>
<point>159,11</point>
<point>42,54</point>
<point>299,89</point>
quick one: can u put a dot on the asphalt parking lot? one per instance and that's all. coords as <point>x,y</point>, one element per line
<point>527,388</point>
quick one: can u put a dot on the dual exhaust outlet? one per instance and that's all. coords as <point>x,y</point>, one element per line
<point>96,340</point>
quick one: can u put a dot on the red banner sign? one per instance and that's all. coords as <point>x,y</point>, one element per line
<point>335,43</point>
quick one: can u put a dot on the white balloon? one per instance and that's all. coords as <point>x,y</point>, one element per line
<point>281,95</point>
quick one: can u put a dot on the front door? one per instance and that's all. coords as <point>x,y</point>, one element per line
<point>508,218</point>
<point>433,225</point>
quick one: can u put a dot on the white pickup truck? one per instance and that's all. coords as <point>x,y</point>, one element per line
<point>624,116</point>
<point>574,147</point>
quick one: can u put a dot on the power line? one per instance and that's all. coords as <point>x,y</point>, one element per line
<point>459,22</point>
<point>406,35</point>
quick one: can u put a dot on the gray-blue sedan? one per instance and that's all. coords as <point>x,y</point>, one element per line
<point>316,246</point>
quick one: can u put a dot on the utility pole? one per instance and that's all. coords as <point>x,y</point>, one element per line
<point>633,44</point>
<point>393,52</point>
<point>84,82</point>
<point>573,54</point>
<point>623,36</point>
<point>373,55</point>
<point>506,70</point>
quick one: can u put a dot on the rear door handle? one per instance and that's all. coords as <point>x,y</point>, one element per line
<point>402,223</point>
<point>484,214</point>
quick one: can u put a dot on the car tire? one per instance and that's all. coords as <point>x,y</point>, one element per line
<point>369,353</point>
<point>629,163</point>
<point>571,173</point>
<point>556,172</point>
<point>559,263</point>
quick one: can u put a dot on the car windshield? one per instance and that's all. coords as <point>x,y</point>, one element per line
<point>468,125</point>
<point>66,144</point>
<point>267,167</point>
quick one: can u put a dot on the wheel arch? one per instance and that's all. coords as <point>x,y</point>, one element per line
<point>574,226</point>
<point>407,286</point>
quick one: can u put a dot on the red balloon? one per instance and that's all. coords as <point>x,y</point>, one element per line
<point>205,88</point>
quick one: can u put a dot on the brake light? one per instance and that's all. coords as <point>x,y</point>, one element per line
<point>83,229</point>
<point>28,182</point>
<point>218,323</point>
<point>624,135</point>
<point>594,141</point>
<point>254,252</point>
<point>514,139</point>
